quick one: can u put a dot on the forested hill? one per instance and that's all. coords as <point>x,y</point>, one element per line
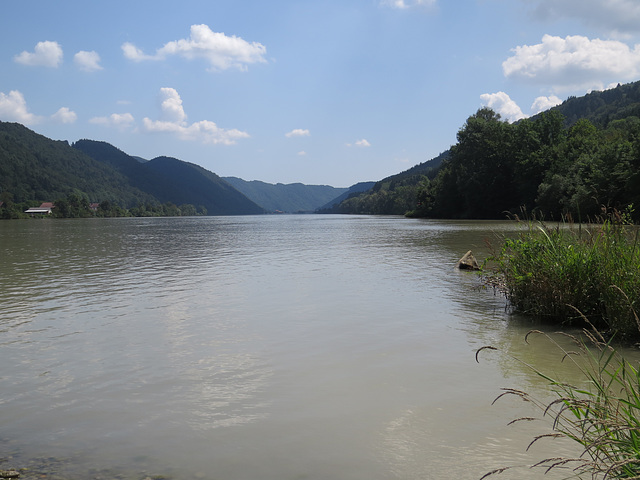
<point>394,195</point>
<point>579,158</point>
<point>289,198</point>
<point>602,107</point>
<point>34,168</point>
<point>172,180</point>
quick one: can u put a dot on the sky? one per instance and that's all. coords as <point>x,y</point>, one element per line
<point>330,92</point>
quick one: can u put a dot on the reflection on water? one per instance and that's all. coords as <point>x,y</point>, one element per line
<point>268,347</point>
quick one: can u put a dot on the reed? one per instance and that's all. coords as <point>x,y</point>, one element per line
<point>603,416</point>
<point>555,272</point>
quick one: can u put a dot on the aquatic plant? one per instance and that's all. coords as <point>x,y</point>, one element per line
<point>602,415</point>
<point>554,272</point>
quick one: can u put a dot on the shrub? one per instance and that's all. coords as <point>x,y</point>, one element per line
<point>595,269</point>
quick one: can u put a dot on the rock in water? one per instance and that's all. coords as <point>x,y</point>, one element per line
<point>468,262</point>
<point>9,474</point>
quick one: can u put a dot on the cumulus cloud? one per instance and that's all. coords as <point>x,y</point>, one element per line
<point>45,54</point>
<point>612,16</point>
<point>64,115</point>
<point>573,62</point>
<point>298,132</point>
<point>501,103</point>
<point>359,143</point>
<point>120,121</point>
<point>171,106</point>
<point>87,61</point>
<point>541,104</point>
<point>13,108</point>
<point>219,50</point>
<point>402,4</point>
<point>174,121</point>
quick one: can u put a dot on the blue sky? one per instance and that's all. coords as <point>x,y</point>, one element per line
<point>320,92</point>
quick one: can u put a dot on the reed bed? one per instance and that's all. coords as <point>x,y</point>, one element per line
<point>569,273</point>
<point>588,274</point>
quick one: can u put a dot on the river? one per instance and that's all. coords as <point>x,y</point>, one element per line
<point>261,347</point>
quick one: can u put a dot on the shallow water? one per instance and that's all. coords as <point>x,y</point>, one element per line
<point>263,347</point>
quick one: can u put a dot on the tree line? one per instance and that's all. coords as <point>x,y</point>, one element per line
<point>536,165</point>
<point>77,205</point>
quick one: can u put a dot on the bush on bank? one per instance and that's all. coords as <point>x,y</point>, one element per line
<point>572,273</point>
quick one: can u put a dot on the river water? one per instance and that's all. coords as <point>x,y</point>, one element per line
<point>261,347</point>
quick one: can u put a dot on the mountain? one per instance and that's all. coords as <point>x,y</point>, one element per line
<point>36,168</point>
<point>352,191</point>
<point>602,107</point>
<point>289,198</point>
<point>394,195</point>
<point>172,180</point>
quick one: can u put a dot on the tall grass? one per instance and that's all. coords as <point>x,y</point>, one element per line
<point>554,272</point>
<point>588,274</point>
<point>603,417</point>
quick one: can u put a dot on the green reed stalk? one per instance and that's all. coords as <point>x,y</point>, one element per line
<point>551,272</point>
<point>603,416</point>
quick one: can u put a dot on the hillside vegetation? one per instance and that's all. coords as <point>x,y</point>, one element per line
<point>576,159</point>
<point>172,180</point>
<point>394,195</point>
<point>34,169</point>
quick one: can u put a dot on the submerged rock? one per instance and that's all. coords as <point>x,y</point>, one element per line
<point>468,262</point>
<point>9,474</point>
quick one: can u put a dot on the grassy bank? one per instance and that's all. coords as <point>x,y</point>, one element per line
<point>576,273</point>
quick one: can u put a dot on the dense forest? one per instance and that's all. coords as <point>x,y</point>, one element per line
<point>578,158</point>
<point>394,195</point>
<point>538,166</point>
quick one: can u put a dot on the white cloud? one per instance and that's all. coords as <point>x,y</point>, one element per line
<point>171,106</point>
<point>298,132</point>
<point>121,121</point>
<point>13,108</point>
<point>402,4</point>
<point>541,104</point>
<point>132,52</point>
<point>64,115</point>
<point>45,54</point>
<point>173,120</point>
<point>359,143</point>
<point>612,16</point>
<point>501,103</point>
<point>302,153</point>
<point>219,50</point>
<point>87,61</point>
<point>573,62</point>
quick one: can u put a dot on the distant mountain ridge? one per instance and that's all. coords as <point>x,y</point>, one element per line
<point>34,168</point>
<point>172,180</point>
<point>286,198</point>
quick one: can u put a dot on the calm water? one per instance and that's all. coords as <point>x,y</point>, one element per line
<point>266,347</point>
